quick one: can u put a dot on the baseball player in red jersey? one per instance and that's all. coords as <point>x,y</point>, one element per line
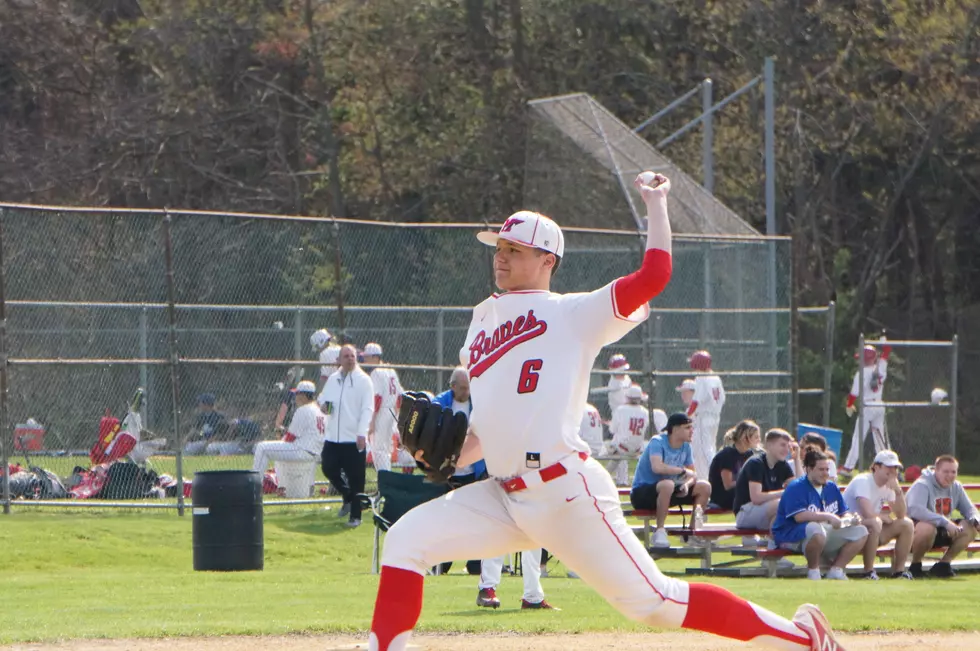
<point>529,353</point>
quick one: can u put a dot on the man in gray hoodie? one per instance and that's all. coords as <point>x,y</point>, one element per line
<point>931,502</point>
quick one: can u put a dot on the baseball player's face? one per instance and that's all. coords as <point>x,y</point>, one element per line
<point>517,267</point>
<point>946,473</point>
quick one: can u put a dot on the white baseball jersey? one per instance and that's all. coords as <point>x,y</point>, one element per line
<point>329,358</point>
<point>517,354</point>
<point>307,429</point>
<point>709,393</point>
<point>591,429</point>
<point>617,392</point>
<point>387,390</point>
<point>874,381</point>
<point>629,427</point>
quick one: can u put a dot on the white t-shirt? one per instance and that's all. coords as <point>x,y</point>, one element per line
<point>307,429</point>
<point>529,355</point>
<point>387,390</point>
<point>629,427</point>
<point>709,393</point>
<point>874,381</point>
<point>591,429</point>
<point>864,486</point>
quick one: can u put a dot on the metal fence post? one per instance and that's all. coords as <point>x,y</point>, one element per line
<point>707,138</point>
<point>339,283</point>
<point>860,402</point>
<point>298,335</point>
<point>144,373</point>
<point>440,347</point>
<point>828,369</point>
<point>706,325</point>
<point>953,392</point>
<point>174,359</point>
<point>4,455</point>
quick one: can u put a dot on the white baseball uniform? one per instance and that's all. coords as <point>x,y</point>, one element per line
<point>617,392</point>
<point>387,390</point>
<point>629,427</point>
<point>329,360</point>
<point>303,440</point>
<point>591,430</point>
<point>529,354</point>
<point>709,394</point>
<point>873,412</point>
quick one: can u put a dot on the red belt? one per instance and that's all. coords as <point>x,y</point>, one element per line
<point>554,471</point>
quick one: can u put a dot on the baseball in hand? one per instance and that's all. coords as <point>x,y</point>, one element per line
<point>651,184</point>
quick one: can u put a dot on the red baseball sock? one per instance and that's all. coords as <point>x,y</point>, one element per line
<point>715,610</point>
<point>396,609</point>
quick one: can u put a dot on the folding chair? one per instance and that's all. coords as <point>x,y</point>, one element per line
<point>397,494</point>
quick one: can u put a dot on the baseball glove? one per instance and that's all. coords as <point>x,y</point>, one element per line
<point>433,436</point>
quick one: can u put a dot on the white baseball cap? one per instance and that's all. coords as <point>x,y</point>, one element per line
<point>530,229</point>
<point>373,349</point>
<point>888,458</point>
<point>938,395</point>
<point>686,385</point>
<point>634,392</point>
<point>305,387</point>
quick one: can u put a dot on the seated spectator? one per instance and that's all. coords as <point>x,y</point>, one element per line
<point>931,501</point>
<point>209,420</point>
<point>237,437</point>
<point>741,442</point>
<point>665,476</point>
<point>817,441</point>
<point>812,518</point>
<point>761,481</point>
<point>866,495</point>
<point>304,438</point>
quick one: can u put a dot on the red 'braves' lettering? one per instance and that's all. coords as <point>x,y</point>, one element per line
<point>485,350</point>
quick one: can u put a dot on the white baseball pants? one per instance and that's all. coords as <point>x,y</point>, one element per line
<point>267,451</point>
<point>704,444</point>
<point>874,422</point>
<point>530,568</point>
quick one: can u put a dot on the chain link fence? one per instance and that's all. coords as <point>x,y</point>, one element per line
<point>95,308</point>
<point>919,421</point>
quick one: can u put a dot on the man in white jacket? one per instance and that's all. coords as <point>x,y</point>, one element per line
<point>347,399</point>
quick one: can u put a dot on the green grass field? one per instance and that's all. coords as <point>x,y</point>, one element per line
<point>115,574</point>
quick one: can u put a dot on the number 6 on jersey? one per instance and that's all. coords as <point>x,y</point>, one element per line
<point>529,376</point>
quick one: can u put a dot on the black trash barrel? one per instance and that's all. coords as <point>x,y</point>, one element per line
<point>227,527</point>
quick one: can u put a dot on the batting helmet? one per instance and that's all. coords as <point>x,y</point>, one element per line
<point>912,473</point>
<point>870,354</point>
<point>700,360</point>
<point>618,363</point>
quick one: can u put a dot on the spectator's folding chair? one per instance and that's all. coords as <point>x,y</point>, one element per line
<point>397,494</point>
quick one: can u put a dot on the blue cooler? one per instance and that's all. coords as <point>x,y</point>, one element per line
<point>833,436</point>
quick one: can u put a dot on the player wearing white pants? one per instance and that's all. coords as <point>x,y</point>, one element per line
<point>529,353</point>
<point>873,374</point>
<point>491,569</point>
<point>705,409</point>
<point>304,438</point>
<point>387,389</point>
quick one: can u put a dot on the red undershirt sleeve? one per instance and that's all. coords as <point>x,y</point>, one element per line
<point>638,288</point>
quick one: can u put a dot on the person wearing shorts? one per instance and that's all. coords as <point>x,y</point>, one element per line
<point>665,476</point>
<point>812,519</point>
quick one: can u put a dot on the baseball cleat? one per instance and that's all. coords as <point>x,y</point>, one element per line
<point>541,605</point>
<point>809,618</point>
<point>487,598</point>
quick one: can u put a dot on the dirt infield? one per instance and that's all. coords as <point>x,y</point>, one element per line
<point>580,642</point>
